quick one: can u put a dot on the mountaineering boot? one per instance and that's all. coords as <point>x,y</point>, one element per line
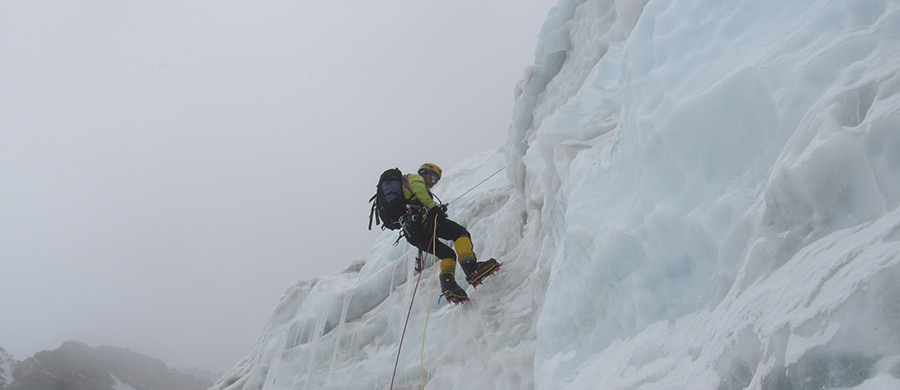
<point>451,291</point>
<point>476,271</point>
<point>469,265</point>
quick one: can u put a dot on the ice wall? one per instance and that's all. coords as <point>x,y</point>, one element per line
<point>748,137</point>
<point>697,195</point>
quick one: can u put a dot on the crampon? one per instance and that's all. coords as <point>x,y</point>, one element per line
<point>451,291</point>
<point>454,297</point>
<point>485,269</point>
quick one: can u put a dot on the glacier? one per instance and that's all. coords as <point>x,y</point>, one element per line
<point>697,194</point>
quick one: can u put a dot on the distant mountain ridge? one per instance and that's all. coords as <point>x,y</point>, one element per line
<point>77,366</point>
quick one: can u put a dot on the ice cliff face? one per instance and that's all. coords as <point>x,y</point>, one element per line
<point>698,195</point>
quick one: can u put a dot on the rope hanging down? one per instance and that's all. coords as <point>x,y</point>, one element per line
<point>403,334</point>
<point>409,312</point>
<point>430,300</point>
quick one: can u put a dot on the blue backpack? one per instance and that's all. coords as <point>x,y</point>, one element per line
<point>388,204</point>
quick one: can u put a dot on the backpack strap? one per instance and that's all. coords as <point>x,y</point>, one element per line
<point>373,213</point>
<point>413,200</point>
<point>406,182</point>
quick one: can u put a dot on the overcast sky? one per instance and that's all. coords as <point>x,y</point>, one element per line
<point>169,168</point>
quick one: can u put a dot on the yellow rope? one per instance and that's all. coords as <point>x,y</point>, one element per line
<point>482,182</point>
<point>434,266</point>
<point>430,300</point>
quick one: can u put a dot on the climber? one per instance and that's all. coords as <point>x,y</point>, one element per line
<point>420,231</point>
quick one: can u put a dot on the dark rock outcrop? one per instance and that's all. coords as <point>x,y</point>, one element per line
<point>76,366</point>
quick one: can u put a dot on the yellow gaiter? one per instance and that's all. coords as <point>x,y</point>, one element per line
<point>448,266</point>
<point>463,247</point>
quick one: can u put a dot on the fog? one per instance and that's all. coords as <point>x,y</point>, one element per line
<point>168,169</point>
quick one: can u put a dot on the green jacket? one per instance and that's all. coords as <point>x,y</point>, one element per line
<point>415,191</point>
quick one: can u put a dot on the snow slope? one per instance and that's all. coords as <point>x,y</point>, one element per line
<point>698,194</point>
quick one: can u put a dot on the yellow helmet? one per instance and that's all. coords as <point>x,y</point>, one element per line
<point>429,167</point>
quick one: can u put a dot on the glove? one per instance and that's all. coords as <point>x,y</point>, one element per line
<point>438,210</point>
